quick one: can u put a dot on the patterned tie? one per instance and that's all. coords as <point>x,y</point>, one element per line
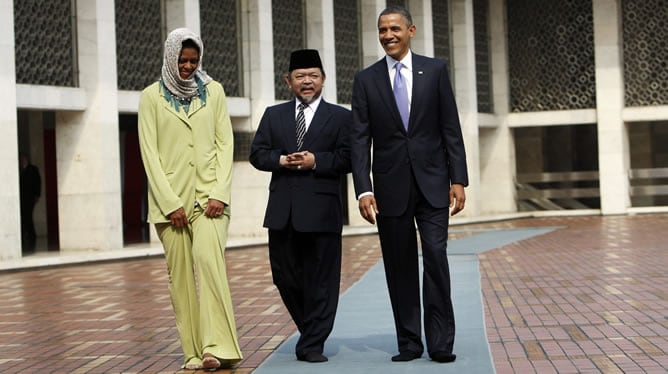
<point>401,94</point>
<point>301,126</point>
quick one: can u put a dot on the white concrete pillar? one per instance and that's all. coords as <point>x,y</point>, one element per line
<point>372,51</point>
<point>423,42</point>
<point>463,52</point>
<point>320,36</point>
<point>497,148</point>
<point>182,13</point>
<point>10,222</point>
<point>258,44</point>
<point>613,144</point>
<point>87,149</point>
<point>250,187</point>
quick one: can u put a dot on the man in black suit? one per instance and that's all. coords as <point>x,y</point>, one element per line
<point>305,144</point>
<point>419,172</point>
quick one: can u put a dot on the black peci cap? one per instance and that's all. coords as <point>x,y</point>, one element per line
<point>305,58</point>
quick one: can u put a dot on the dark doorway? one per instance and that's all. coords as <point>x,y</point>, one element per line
<point>133,182</point>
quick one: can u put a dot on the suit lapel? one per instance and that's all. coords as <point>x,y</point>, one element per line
<point>289,130</point>
<point>319,121</point>
<point>195,106</point>
<point>419,82</point>
<point>382,79</point>
<point>181,114</point>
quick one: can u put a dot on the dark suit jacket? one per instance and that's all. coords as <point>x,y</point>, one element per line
<point>311,199</point>
<point>432,149</point>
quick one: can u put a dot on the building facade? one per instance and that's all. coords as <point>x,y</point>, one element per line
<point>564,105</point>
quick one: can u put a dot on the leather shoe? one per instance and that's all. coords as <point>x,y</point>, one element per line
<point>312,357</point>
<point>406,356</point>
<point>443,357</point>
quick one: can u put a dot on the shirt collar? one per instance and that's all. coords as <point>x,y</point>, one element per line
<point>313,105</point>
<point>407,61</point>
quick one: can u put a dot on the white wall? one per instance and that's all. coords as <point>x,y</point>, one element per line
<point>10,222</point>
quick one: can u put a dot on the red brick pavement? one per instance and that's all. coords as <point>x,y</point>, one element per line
<point>588,297</point>
<point>117,316</point>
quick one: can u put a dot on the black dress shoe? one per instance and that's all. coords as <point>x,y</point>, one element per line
<point>406,356</point>
<point>312,357</point>
<point>443,357</point>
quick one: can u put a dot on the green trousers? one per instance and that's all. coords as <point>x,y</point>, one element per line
<point>196,256</point>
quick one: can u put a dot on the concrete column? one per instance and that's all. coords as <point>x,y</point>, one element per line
<point>87,149</point>
<point>613,144</point>
<point>423,42</point>
<point>250,187</point>
<point>497,148</point>
<point>372,51</point>
<point>320,36</point>
<point>182,13</point>
<point>466,94</point>
<point>10,222</point>
<point>258,44</point>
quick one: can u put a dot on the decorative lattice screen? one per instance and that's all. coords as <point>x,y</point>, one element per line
<point>645,31</point>
<point>551,55</point>
<point>481,34</point>
<point>348,48</point>
<point>288,32</point>
<point>440,18</point>
<point>219,23</point>
<point>139,43</point>
<point>44,43</point>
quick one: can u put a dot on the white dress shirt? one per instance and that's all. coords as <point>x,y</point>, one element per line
<point>406,73</point>
<point>309,111</point>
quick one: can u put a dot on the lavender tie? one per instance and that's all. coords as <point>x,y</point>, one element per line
<point>401,94</point>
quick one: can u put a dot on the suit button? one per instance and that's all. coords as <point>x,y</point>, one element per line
<point>191,163</point>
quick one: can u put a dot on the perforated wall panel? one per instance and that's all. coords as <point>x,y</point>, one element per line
<point>551,55</point>
<point>481,34</point>
<point>348,47</point>
<point>645,31</point>
<point>219,23</point>
<point>288,32</point>
<point>44,43</point>
<point>139,43</point>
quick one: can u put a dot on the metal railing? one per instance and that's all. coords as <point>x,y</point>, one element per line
<point>648,182</point>
<point>557,190</point>
<point>566,190</point>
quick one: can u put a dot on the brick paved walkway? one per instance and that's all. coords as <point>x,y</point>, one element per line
<point>588,297</point>
<point>591,297</point>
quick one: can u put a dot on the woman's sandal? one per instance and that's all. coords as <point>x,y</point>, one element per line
<point>196,365</point>
<point>192,366</point>
<point>210,362</point>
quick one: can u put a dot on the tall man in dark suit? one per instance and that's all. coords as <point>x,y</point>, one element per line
<point>419,171</point>
<point>305,144</point>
